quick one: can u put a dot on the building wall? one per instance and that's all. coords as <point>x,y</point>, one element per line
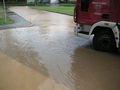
<point>54,1</point>
<point>51,1</point>
<point>30,1</point>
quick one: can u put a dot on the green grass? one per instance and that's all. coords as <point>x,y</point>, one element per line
<point>67,4</point>
<point>8,21</point>
<point>1,9</point>
<point>63,10</point>
<point>2,20</point>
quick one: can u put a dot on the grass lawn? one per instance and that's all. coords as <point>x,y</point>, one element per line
<point>63,10</point>
<point>67,4</point>
<point>8,21</point>
<point>2,21</point>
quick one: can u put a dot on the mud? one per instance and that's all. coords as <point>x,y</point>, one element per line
<point>16,76</point>
<point>48,56</point>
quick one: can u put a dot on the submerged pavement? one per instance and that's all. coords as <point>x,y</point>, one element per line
<point>48,56</point>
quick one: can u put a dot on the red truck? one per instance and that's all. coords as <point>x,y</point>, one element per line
<point>100,19</point>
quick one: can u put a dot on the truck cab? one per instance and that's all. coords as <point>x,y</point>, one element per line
<point>101,19</point>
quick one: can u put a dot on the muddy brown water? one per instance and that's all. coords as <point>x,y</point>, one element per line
<point>48,56</point>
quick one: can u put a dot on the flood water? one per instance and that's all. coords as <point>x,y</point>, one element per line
<point>48,56</point>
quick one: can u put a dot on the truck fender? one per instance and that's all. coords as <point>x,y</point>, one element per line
<point>110,25</point>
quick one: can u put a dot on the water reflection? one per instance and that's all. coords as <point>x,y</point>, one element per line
<point>95,70</point>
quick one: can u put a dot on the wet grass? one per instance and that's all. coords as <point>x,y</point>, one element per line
<point>63,10</point>
<point>67,4</point>
<point>2,20</point>
<point>8,21</point>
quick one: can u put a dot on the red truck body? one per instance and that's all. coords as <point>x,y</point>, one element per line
<point>91,11</point>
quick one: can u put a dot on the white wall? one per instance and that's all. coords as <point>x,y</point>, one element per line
<point>30,1</point>
<point>54,1</point>
<point>51,1</point>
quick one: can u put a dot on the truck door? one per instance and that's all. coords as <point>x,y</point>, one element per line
<point>84,9</point>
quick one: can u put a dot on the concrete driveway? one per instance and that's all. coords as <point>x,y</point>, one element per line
<point>48,56</point>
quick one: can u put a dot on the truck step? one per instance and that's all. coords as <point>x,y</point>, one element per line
<point>83,32</point>
<point>119,27</point>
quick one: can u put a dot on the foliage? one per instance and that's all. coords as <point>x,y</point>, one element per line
<point>24,4</point>
<point>2,20</point>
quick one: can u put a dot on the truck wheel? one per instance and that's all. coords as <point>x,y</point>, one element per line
<point>104,41</point>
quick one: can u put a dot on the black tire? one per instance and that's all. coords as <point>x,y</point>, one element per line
<point>104,41</point>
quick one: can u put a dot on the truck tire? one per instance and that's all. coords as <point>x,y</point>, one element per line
<point>104,41</point>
